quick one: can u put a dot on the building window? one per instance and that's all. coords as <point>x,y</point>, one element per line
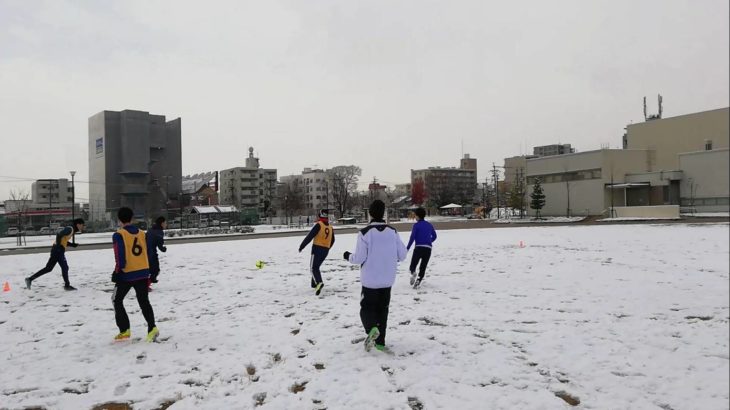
<point>708,145</point>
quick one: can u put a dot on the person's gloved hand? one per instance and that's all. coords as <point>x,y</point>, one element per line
<point>163,249</point>
<point>346,255</point>
<point>115,277</point>
<point>300,250</point>
<point>73,244</point>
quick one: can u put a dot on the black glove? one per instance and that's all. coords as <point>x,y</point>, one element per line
<point>346,255</point>
<point>73,244</point>
<point>300,250</point>
<point>163,249</point>
<point>115,277</point>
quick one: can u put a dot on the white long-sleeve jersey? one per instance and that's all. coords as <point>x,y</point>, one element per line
<point>379,249</point>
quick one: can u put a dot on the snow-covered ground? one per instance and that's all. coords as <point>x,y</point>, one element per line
<point>708,214</point>
<point>547,219</point>
<point>616,317</point>
<point>634,218</point>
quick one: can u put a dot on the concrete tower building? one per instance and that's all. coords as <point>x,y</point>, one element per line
<point>135,160</point>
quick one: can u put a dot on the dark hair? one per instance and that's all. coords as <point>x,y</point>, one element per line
<point>420,213</point>
<point>160,220</point>
<point>125,214</point>
<point>377,209</point>
<point>78,221</point>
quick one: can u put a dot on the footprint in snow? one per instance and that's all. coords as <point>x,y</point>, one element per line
<point>121,389</point>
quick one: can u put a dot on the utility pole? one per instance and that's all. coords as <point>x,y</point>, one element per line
<point>495,177</point>
<point>50,201</point>
<point>167,195</point>
<point>73,205</point>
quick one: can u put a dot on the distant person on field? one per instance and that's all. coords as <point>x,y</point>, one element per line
<point>323,235</point>
<point>132,270</point>
<point>58,253</point>
<point>155,240</point>
<point>378,251</point>
<point>423,234</point>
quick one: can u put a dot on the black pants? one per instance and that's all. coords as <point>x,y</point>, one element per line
<point>154,268</point>
<point>58,256</point>
<point>374,305</point>
<point>120,291</point>
<point>319,254</point>
<point>422,254</point>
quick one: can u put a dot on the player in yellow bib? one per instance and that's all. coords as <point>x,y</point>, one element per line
<point>58,254</point>
<point>132,270</point>
<point>323,237</point>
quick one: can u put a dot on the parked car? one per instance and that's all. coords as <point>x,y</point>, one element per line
<point>12,232</point>
<point>46,231</point>
<point>30,231</point>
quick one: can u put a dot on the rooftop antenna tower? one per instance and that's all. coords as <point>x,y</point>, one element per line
<point>657,116</point>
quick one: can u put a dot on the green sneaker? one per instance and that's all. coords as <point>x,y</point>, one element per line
<point>380,347</point>
<point>318,288</point>
<point>373,334</point>
<point>123,335</point>
<point>152,335</point>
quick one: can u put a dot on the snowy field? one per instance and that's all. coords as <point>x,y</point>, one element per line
<point>613,317</point>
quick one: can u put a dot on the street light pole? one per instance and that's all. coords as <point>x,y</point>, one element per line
<point>73,205</point>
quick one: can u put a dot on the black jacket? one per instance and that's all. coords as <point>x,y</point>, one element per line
<point>155,240</point>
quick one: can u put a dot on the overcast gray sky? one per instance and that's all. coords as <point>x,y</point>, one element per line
<point>386,85</point>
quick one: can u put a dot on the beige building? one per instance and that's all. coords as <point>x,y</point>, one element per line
<point>513,166</point>
<point>669,137</point>
<point>589,183</point>
<point>249,187</point>
<point>679,161</point>
<point>706,181</point>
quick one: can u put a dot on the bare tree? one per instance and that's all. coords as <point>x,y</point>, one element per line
<point>344,186</point>
<point>291,198</point>
<point>20,197</point>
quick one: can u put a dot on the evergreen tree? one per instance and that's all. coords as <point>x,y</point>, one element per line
<point>537,198</point>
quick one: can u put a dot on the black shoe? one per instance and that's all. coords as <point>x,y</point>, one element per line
<point>69,287</point>
<point>417,283</point>
<point>28,282</point>
<point>154,280</point>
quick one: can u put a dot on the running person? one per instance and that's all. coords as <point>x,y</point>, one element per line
<point>58,254</point>
<point>131,271</point>
<point>323,235</point>
<point>423,234</point>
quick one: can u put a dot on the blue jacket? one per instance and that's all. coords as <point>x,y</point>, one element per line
<point>121,260</point>
<point>423,234</point>
<point>155,240</point>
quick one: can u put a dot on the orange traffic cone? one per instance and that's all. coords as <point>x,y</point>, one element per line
<point>6,287</point>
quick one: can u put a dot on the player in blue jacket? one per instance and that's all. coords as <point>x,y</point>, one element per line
<point>423,235</point>
<point>155,240</point>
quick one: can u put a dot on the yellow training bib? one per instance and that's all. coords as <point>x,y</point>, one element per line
<point>324,236</point>
<point>64,240</point>
<point>135,251</point>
